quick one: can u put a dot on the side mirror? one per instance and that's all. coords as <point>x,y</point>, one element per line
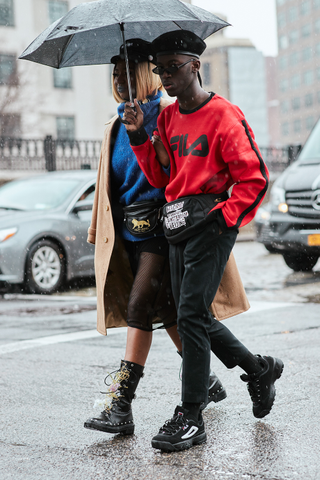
<point>82,206</point>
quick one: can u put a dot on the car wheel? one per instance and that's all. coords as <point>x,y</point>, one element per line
<point>45,267</point>
<point>300,262</point>
<point>270,248</point>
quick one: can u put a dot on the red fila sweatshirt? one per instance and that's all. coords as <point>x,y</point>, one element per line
<point>211,149</point>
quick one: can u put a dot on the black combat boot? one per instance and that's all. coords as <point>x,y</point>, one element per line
<point>261,385</point>
<point>117,416</point>
<point>216,392</point>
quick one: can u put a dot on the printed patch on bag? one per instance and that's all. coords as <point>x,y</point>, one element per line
<point>140,225</point>
<point>176,218</point>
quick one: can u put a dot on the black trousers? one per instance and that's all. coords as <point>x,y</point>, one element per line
<point>197,266</point>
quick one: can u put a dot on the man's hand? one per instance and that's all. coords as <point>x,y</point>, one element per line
<point>160,149</point>
<point>134,118</point>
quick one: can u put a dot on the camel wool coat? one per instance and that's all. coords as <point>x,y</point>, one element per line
<point>112,269</point>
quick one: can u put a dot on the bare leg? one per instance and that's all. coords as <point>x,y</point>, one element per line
<point>174,335</point>
<point>138,345</point>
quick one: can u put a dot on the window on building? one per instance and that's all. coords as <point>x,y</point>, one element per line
<point>294,58</point>
<point>306,30</point>
<point>308,100</point>
<point>318,97</point>
<point>318,73</point>
<point>295,81</point>
<point>284,107</point>
<point>293,36</point>
<point>305,7</point>
<point>297,126</point>
<point>285,129</point>
<point>6,13</point>
<point>283,42</point>
<point>309,123</point>
<point>307,54</point>
<point>295,102</point>
<point>308,77</point>
<point>293,14</point>
<point>284,85</point>
<point>57,8</point>
<point>10,125</point>
<point>317,25</point>
<point>206,74</point>
<point>316,3</point>
<point>8,70</point>
<point>65,128</point>
<point>62,78</point>
<point>283,62</point>
<point>281,2</point>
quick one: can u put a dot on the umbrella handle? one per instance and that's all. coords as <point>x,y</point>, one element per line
<point>127,62</point>
<point>122,121</point>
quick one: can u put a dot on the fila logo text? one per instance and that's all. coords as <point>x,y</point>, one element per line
<point>179,142</point>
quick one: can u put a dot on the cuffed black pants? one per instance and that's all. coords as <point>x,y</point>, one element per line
<point>197,266</point>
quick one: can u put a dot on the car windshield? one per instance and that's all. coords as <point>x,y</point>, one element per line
<point>311,149</point>
<point>36,193</point>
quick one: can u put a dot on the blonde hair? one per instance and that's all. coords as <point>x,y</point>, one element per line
<point>147,82</point>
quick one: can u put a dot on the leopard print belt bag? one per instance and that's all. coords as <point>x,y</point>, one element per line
<point>144,217</point>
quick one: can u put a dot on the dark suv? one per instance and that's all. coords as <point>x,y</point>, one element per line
<point>290,223</point>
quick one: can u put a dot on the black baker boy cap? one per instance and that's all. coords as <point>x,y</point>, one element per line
<point>180,42</point>
<point>138,51</point>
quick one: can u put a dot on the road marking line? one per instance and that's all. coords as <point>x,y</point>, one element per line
<point>256,306</point>
<point>65,337</point>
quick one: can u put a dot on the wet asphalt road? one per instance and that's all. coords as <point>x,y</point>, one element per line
<point>52,365</point>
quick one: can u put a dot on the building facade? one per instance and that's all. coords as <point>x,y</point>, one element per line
<point>298,68</point>
<point>36,100</point>
<point>271,64</point>
<point>235,69</point>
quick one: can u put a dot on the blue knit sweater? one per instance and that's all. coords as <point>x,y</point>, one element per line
<point>128,182</point>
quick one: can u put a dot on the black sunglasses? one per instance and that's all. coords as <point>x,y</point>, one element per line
<point>171,70</point>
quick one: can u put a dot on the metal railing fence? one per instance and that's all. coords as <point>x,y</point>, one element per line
<point>49,154</point>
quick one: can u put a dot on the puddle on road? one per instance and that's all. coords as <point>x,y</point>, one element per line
<point>302,278</point>
<point>314,298</point>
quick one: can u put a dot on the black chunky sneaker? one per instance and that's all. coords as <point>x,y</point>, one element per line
<point>261,385</point>
<point>180,433</point>
<point>216,392</point>
<point>117,415</point>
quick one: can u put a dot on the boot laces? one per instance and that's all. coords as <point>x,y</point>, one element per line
<point>115,383</point>
<point>253,386</point>
<point>174,424</point>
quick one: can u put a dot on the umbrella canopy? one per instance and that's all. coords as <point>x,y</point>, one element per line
<point>91,33</point>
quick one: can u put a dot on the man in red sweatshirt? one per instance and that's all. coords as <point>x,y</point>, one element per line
<point>210,148</point>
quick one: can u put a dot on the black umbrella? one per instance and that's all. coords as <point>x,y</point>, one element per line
<point>92,33</point>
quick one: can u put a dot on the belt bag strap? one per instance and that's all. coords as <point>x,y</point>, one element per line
<point>187,216</point>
